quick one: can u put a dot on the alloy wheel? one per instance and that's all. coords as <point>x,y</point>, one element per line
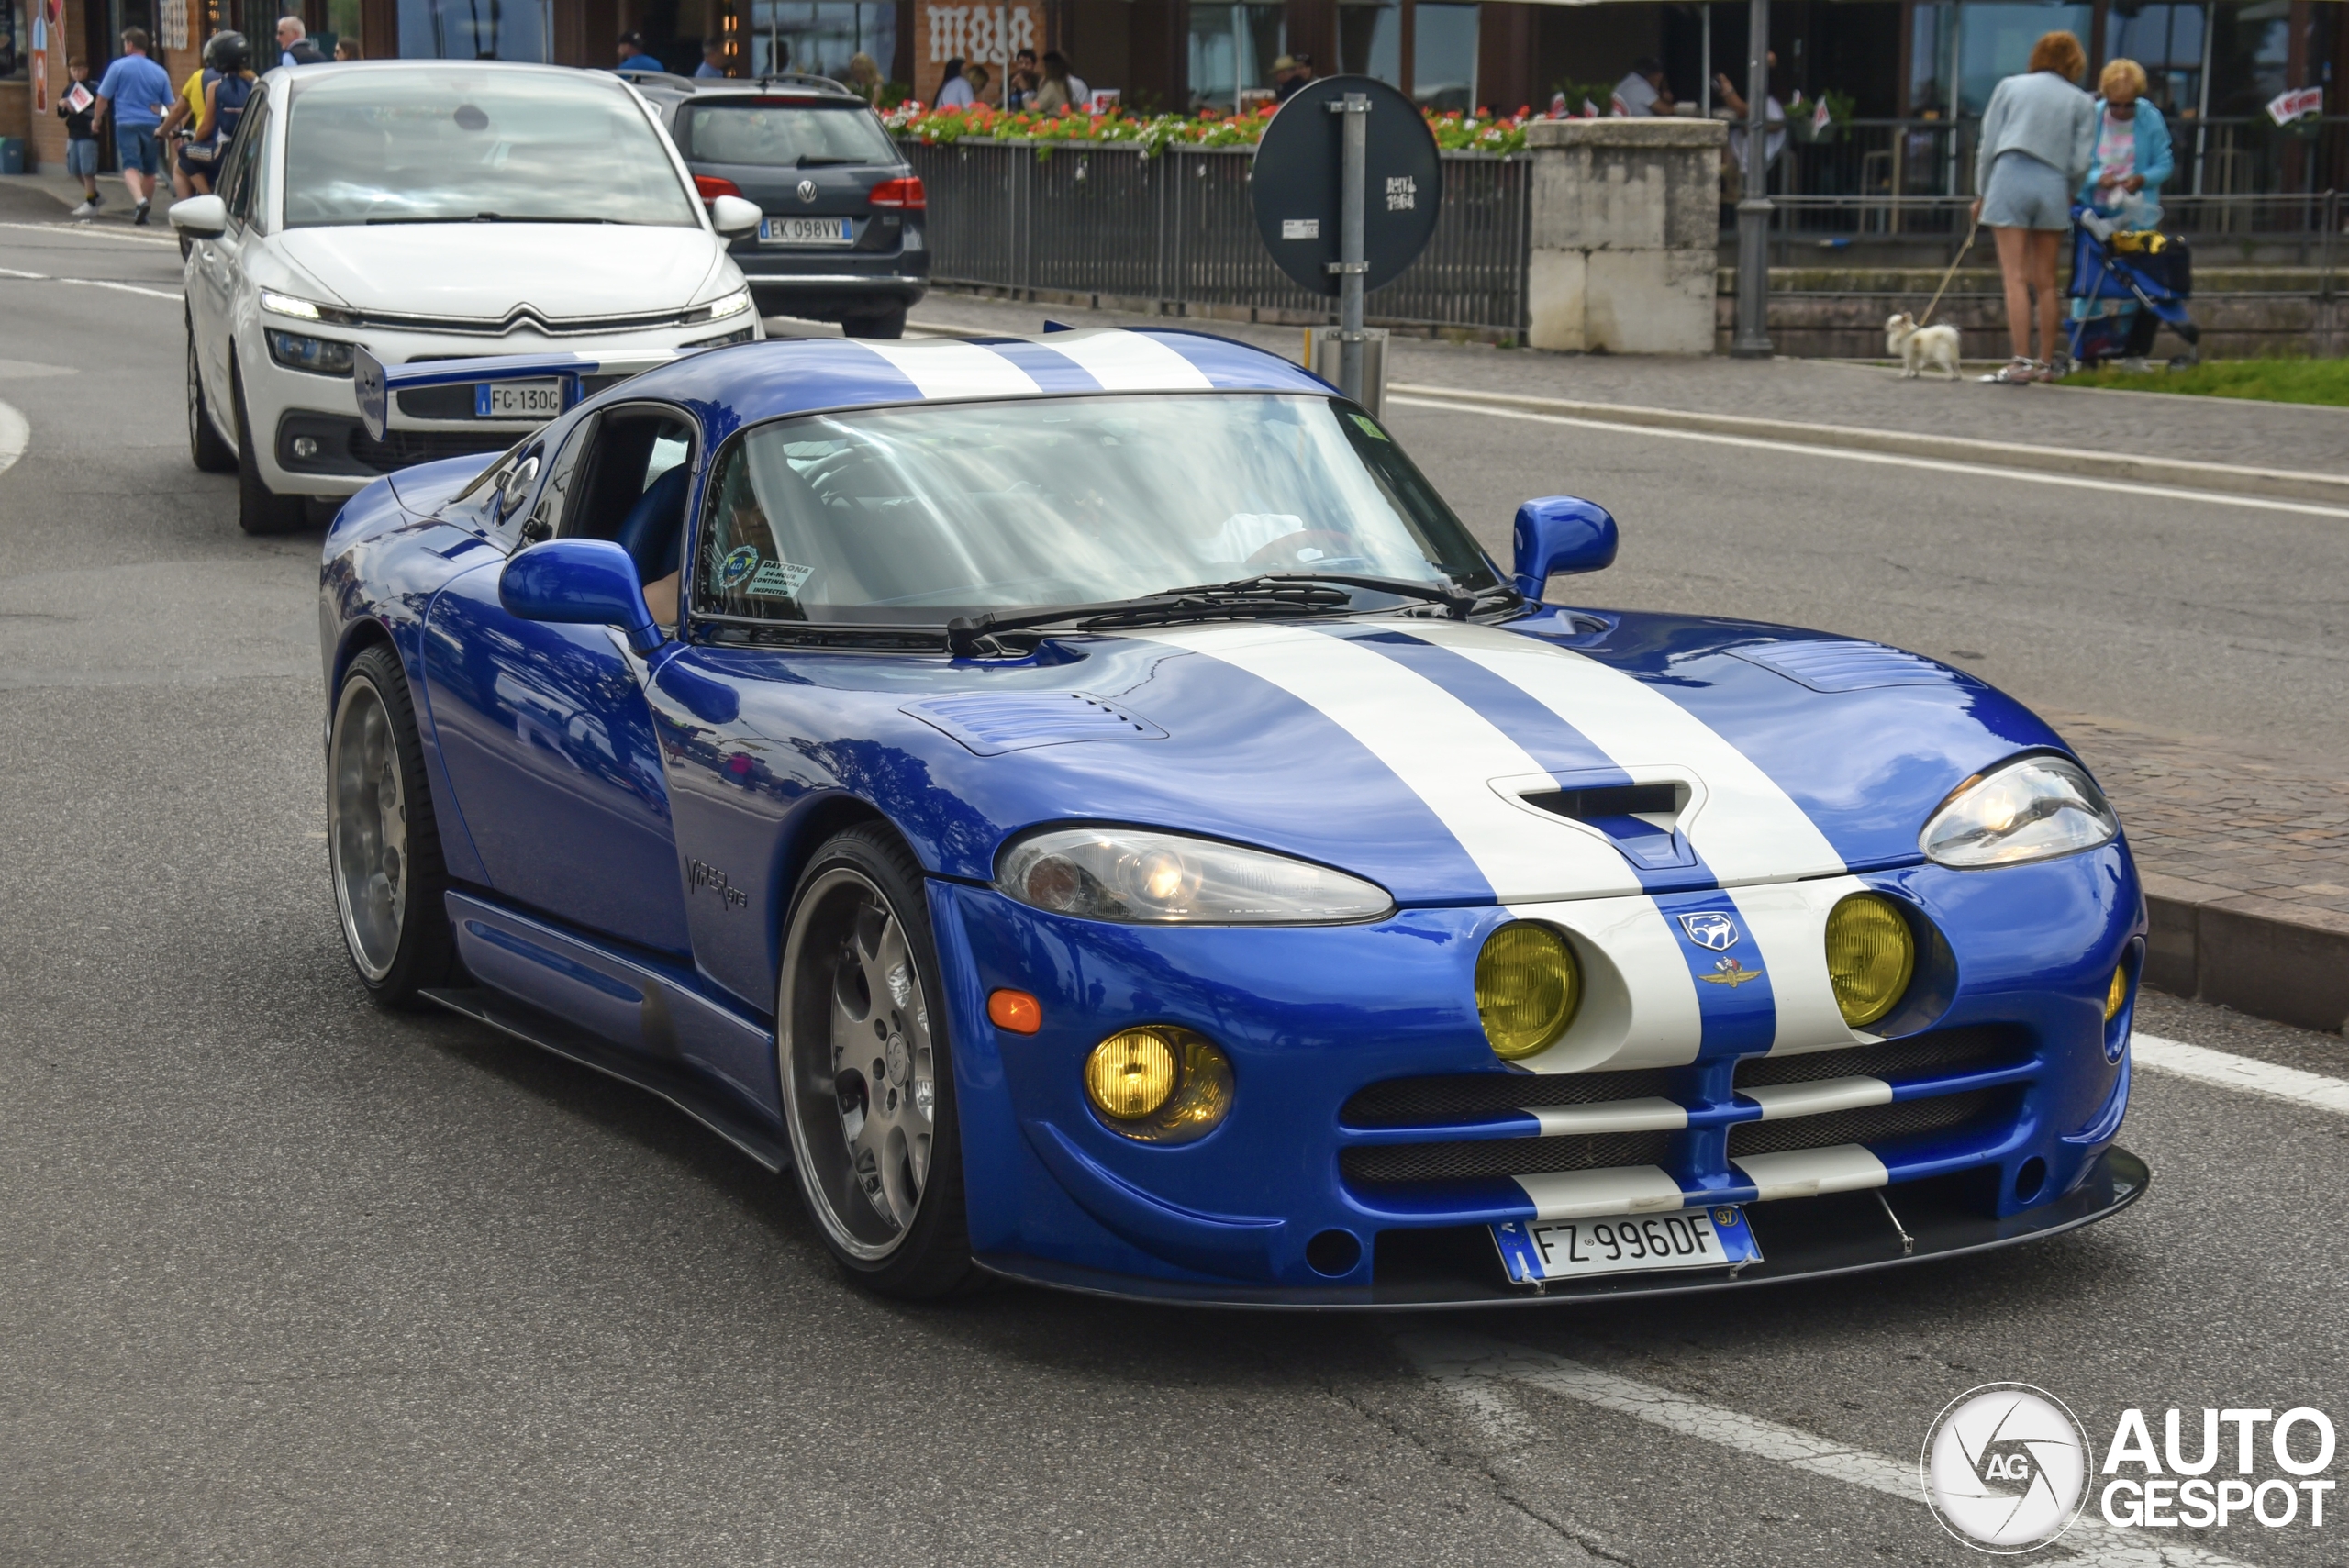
<point>367,830</point>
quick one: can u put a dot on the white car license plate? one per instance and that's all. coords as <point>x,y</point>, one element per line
<point>806,231</point>
<point>1533,1250</point>
<point>518,399</point>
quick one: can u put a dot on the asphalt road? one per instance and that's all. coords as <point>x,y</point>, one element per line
<point>288,1280</point>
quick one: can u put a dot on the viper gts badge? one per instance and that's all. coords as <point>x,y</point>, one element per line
<point>1714,932</point>
<point>1730,972</point>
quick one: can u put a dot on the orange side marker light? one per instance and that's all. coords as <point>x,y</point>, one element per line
<point>1016,1011</point>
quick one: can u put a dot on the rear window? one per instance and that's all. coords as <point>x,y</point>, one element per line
<point>783,134</point>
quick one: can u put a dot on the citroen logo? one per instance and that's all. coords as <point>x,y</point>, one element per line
<point>806,190</point>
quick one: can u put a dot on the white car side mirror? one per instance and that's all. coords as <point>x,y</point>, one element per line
<point>201,216</point>
<point>727,215</point>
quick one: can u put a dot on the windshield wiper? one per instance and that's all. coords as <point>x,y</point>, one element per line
<point>1215,601</point>
<point>490,217</point>
<point>822,160</point>
<point>1458,602</point>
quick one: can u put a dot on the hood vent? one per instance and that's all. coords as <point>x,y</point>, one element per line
<point>991,723</point>
<point>1843,665</point>
<point>1643,820</point>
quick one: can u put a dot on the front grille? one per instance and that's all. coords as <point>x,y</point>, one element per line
<point>438,402</point>
<point>1940,1053</point>
<point>523,316</point>
<point>1502,1157</point>
<point>405,449</point>
<point>1869,1124</point>
<point>1404,1102</point>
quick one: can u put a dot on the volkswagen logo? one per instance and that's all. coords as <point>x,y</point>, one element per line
<point>1710,931</point>
<point>806,190</point>
<point>2006,1467</point>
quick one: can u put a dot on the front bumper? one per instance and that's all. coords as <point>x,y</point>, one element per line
<point>1994,1110</point>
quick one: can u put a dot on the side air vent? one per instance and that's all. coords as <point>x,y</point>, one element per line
<point>1840,665</point>
<point>991,723</point>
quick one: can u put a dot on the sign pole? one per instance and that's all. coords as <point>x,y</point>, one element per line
<point>1752,339</point>
<point>1354,170</point>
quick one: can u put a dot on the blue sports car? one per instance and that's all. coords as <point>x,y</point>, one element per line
<point>1086,806</point>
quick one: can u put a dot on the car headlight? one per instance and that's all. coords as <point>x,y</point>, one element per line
<point>728,305</point>
<point>301,309</point>
<point>1159,1084</point>
<point>320,356</point>
<point>1528,986</point>
<point>1870,957</point>
<point>1139,877</point>
<point>2033,809</point>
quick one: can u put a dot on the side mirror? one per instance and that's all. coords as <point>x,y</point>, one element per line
<point>199,216</point>
<point>579,581</point>
<point>732,214</point>
<point>1560,533</point>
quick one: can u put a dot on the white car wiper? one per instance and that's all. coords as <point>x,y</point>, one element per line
<point>966,637</point>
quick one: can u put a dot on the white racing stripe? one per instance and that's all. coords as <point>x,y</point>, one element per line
<point>2242,1073</point>
<point>1580,1195</point>
<point>1650,1115</point>
<point>1780,1101</point>
<point>1811,1173</point>
<point>1787,921</point>
<point>1127,361</point>
<point>1477,1371</point>
<point>1639,1005</point>
<point>1441,748</point>
<point>944,367</point>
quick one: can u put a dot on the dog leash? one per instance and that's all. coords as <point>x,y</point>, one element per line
<point>1961,250</point>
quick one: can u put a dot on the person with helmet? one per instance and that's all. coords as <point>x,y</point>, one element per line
<point>190,177</point>
<point>232,60</point>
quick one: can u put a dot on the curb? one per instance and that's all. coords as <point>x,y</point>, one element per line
<point>2225,478</point>
<point>2257,955</point>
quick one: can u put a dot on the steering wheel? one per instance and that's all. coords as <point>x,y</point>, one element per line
<point>1282,552</point>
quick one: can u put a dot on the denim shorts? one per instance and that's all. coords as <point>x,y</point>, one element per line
<point>2026,193</point>
<point>135,145</point>
<point>82,157</point>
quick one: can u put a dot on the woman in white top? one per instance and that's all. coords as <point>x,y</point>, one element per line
<point>954,92</point>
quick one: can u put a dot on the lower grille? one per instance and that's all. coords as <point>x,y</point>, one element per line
<point>1502,1157</point>
<point>1871,1124</point>
<point>1979,1049</point>
<point>404,449</point>
<point>1403,1102</point>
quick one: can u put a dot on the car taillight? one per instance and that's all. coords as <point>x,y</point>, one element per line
<point>711,187</point>
<point>905,193</point>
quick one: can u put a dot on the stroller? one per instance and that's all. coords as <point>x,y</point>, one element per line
<point>2125,285</point>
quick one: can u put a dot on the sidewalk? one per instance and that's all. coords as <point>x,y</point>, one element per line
<point>28,198</point>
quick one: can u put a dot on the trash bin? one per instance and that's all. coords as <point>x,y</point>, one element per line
<point>12,154</point>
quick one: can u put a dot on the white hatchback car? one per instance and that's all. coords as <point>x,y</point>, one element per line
<point>433,209</point>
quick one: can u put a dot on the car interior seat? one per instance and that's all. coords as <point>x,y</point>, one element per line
<point>653,530</point>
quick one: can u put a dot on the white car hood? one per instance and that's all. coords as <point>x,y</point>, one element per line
<point>485,270</point>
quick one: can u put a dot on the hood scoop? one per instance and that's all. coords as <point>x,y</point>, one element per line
<point>1642,820</point>
<point>991,723</point>
<point>1840,665</point>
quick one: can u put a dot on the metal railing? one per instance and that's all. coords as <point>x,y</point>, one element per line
<point>1177,228</point>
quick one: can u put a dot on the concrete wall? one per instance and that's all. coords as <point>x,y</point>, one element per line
<point>1625,221</point>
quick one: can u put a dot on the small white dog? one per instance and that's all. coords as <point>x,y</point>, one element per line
<point>1920,346</point>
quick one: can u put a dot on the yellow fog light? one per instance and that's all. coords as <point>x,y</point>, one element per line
<point>2118,994</point>
<point>1528,986</point>
<point>1159,1084</point>
<point>1870,956</point>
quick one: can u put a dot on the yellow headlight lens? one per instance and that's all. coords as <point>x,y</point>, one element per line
<point>2118,993</point>
<point>1528,986</point>
<point>1129,1074</point>
<point>1870,956</point>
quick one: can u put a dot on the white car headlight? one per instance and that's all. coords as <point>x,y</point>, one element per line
<point>301,309</point>
<point>2032,809</point>
<point>1139,877</point>
<point>727,304</point>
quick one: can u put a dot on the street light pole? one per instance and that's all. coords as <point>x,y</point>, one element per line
<point>1752,339</point>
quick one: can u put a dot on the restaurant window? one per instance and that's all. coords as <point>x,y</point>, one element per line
<point>1233,50</point>
<point>2166,39</point>
<point>1370,40</point>
<point>820,36</point>
<point>1994,41</point>
<point>1443,57</point>
<point>474,29</point>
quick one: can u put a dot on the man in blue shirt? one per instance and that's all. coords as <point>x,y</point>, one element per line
<point>713,59</point>
<point>632,56</point>
<point>136,92</point>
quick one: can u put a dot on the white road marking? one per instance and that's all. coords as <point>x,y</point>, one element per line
<point>2246,1074</point>
<point>89,283</point>
<point>1938,465</point>
<point>1472,1369</point>
<point>14,436</point>
<point>91,232</point>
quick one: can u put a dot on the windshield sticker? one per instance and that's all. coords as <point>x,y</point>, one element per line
<point>1370,429</point>
<point>779,580</point>
<point>736,565</point>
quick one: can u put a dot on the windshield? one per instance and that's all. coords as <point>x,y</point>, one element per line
<point>457,145</point>
<point>913,515</point>
<point>778,134</point>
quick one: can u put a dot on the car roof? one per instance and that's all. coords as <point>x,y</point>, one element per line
<point>752,382</point>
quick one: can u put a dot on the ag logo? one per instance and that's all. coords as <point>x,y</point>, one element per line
<point>1717,932</point>
<point>2006,1467</point>
<point>737,564</point>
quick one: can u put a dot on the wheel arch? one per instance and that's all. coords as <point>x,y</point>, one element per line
<point>807,832</point>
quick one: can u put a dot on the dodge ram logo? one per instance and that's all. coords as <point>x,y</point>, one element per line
<point>1710,931</point>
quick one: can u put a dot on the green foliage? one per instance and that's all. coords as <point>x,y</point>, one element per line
<point>2269,380</point>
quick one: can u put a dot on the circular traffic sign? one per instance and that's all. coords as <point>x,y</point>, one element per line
<point>1295,186</point>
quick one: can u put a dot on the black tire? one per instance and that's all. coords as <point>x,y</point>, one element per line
<point>860,1132</point>
<point>205,445</point>
<point>392,907</point>
<point>877,324</point>
<point>259,510</point>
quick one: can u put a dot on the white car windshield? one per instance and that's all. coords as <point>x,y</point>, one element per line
<point>914,515</point>
<point>463,145</point>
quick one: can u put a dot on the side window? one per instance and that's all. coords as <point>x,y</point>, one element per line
<point>546,518</point>
<point>237,181</point>
<point>631,484</point>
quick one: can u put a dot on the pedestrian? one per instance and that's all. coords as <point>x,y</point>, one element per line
<point>347,49</point>
<point>2038,139</point>
<point>634,58</point>
<point>1300,73</point>
<point>980,83</point>
<point>713,60</point>
<point>294,44</point>
<point>1054,93</point>
<point>76,106</point>
<point>2132,155</point>
<point>954,92</point>
<point>1739,113</point>
<point>1643,90</point>
<point>135,94</point>
<point>1019,92</point>
<point>864,78</point>
<point>1056,69</point>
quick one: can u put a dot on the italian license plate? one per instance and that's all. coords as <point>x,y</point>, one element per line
<point>1535,1251</point>
<point>806,231</point>
<point>518,399</point>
